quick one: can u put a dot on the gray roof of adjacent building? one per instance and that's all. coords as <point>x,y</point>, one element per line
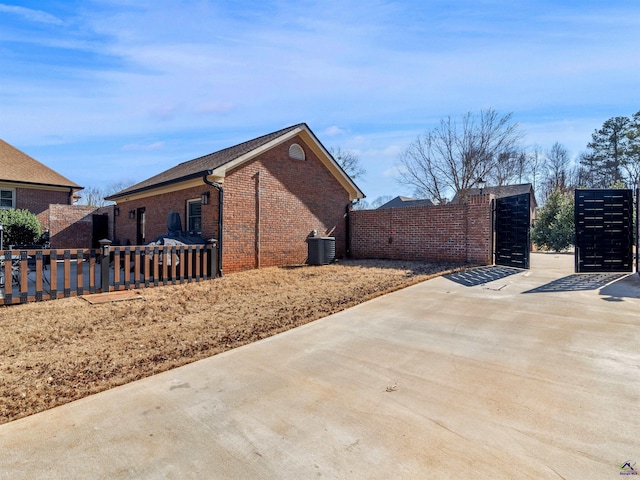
<point>403,202</point>
<point>501,191</point>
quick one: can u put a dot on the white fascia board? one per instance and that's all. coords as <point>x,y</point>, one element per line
<point>222,170</point>
<point>331,164</point>
<point>313,143</point>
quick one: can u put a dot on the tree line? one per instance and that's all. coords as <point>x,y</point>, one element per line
<point>454,156</point>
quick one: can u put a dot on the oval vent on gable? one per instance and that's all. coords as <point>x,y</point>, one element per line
<point>296,152</point>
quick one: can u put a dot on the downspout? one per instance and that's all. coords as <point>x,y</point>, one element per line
<point>492,250</point>
<point>113,230</point>
<point>347,227</point>
<point>220,221</point>
<point>258,206</point>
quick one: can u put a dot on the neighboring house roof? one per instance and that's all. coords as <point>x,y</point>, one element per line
<point>218,163</point>
<point>402,202</point>
<point>502,191</point>
<point>18,167</point>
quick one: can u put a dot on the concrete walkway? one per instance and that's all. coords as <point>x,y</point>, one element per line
<point>496,374</point>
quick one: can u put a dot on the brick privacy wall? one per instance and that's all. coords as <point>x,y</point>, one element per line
<point>480,229</point>
<point>37,201</point>
<point>457,233</point>
<point>271,205</point>
<point>71,226</point>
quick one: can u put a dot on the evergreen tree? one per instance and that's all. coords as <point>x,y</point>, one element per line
<point>631,166</point>
<point>606,155</point>
<point>20,227</point>
<point>555,224</point>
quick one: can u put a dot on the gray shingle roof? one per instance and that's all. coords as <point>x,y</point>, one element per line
<point>501,191</point>
<point>402,202</point>
<point>17,166</point>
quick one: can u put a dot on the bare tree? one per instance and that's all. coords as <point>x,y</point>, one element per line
<point>379,201</point>
<point>94,196</point>
<point>349,161</point>
<point>559,172</point>
<point>450,158</point>
<point>535,166</point>
<point>373,204</point>
<point>509,168</point>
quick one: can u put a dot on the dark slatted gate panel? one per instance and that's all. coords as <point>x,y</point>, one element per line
<point>512,236</point>
<point>604,230</point>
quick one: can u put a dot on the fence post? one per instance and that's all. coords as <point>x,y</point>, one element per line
<point>104,264</point>
<point>212,245</point>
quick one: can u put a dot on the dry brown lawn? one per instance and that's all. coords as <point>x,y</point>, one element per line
<point>59,351</point>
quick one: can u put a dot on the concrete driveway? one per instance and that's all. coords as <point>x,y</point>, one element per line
<point>494,374</point>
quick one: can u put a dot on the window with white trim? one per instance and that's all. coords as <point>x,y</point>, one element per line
<point>194,216</point>
<point>7,198</point>
<point>296,152</point>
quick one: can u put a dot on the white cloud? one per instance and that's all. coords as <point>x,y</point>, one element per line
<point>393,172</point>
<point>31,15</point>
<point>143,148</point>
<point>165,112</point>
<point>214,107</point>
<point>333,131</point>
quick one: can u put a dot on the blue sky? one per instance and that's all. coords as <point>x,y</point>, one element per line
<point>119,90</point>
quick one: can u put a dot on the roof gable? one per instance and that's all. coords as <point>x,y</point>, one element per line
<point>403,202</point>
<point>218,163</point>
<point>502,191</point>
<point>16,166</point>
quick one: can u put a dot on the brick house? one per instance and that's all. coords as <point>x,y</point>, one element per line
<point>266,195</point>
<point>27,184</point>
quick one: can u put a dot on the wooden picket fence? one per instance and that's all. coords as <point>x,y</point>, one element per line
<point>33,275</point>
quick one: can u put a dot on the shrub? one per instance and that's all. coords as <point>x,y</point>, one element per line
<point>20,227</point>
<point>555,224</point>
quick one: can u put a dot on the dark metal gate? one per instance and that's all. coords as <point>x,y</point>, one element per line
<point>604,230</point>
<point>512,224</point>
<point>100,229</point>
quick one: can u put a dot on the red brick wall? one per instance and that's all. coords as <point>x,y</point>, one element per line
<point>157,210</point>
<point>459,233</point>
<point>37,202</point>
<point>71,226</point>
<point>271,205</point>
<point>479,229</point>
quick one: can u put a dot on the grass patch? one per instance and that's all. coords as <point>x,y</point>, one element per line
<point>59,351</point>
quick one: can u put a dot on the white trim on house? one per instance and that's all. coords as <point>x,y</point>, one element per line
<point>312,142</point>
<point>3,198</point>
<point>192,201</point>
<point>218,174</point>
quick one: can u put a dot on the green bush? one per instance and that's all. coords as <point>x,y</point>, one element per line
<point>555,224</point>
<point>20,227</point>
